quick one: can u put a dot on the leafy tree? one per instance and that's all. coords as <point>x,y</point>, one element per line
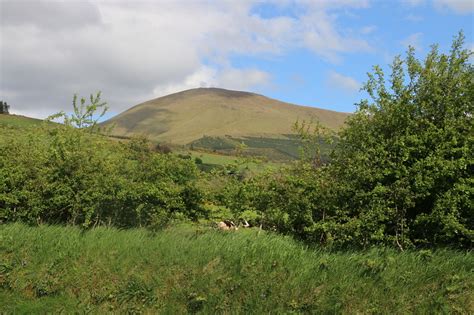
<point>313,136</point>
<point>404,164</point>
<point>84,115</point>
<point>67,173</point>
<point>401,173</point>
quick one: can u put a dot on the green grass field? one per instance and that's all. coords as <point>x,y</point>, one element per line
<point>18,121</point>
<point>13,126</point>
<point>283,149</point>
<point>192,269</point>
<point>215,160</point>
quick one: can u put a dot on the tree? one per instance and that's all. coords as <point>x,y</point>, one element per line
<point>84,115</point>
<point>404,164</point>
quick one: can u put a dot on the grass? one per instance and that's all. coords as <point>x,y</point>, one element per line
<point>278,149</point>
<point>16,126</point>
<point>215,160</point>
<point>13,126</point>
<point>16,121</point>
<point>192,269</point>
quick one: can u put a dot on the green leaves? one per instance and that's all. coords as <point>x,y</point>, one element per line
<point>67,173</point>
<point>401,172</point>
<point>84,116</point>
<point>405,151</point>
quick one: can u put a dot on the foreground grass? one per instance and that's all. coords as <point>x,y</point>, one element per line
<point>189,269</point>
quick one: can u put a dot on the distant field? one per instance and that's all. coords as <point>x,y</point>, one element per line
<point>283,149</point>
<point>215,160</point>
<point>210,158</point>
<point>194,269</point>
<point>13,125</point>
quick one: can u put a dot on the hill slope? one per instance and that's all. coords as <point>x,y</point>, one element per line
<point>18,121</point>
<point>187,116</point>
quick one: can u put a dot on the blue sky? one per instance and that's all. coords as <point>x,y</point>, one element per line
<point>314,53</point>
<point>303,77</point>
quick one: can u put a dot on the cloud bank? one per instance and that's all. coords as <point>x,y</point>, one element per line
<point>133,52</point>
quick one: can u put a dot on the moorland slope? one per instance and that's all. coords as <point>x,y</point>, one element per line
<point>187,116</point>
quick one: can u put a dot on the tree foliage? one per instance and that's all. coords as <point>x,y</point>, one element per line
<point>401,173</point>
<point>405,163</point>
<point>67,174</point>
<point>84,115</point>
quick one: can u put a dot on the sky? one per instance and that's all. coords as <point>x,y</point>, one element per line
<point>313,53</point>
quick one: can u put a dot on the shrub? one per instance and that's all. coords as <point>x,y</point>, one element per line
<point>401,173</point>
<point>67,174</point>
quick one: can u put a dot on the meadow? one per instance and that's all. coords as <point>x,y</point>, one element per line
<point>189,268</point>
<point>19,121</point>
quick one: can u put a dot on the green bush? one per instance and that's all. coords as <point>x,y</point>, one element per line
<point>404,165</point>
<point>66,174</point>
<point>401,173</point>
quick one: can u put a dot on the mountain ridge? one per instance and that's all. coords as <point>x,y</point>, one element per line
<point>189,115</point>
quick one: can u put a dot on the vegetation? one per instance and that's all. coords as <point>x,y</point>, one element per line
<point>285,148</point>
<point>404,166</point>
<point>390,213</point>
<point>15,121</point>
<point>401,173</point>
<point>187,269</point>
<point>4,108</point>
<point>64,174</point>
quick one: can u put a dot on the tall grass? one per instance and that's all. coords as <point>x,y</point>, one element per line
<point>188,269</point>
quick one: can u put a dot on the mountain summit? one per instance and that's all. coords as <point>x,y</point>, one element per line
<point>189,115</point>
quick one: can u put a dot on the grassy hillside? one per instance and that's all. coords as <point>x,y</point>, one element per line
<point>18,121</point>
<point>16,127</point>
<point>190,115</point>
<point>190,269</point>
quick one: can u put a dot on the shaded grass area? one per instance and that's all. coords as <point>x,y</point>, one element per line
<point>196,269</point>
<point>283,149</point>
<point>212,161</point>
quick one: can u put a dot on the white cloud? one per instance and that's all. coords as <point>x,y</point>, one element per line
<point>413,40</point>
<point>458,6</point>
<point>342,82</point>
<point>320,36</point>
<point>135,51</point>
<point>413,3</point>
<point>414,18</point>
<point>368,29</point>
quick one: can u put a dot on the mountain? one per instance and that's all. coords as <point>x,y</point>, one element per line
<point>203,113</point>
